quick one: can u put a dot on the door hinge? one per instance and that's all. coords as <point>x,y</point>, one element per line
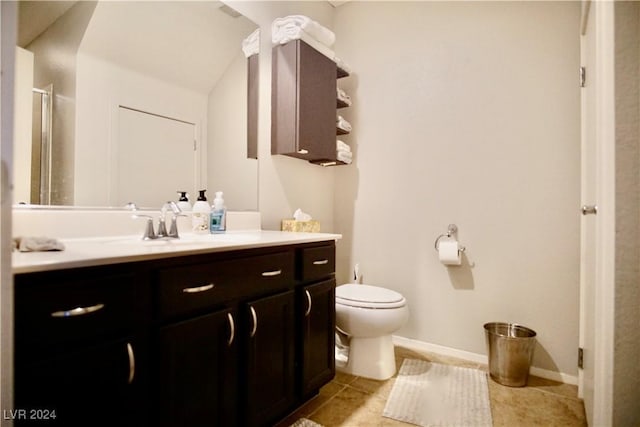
<point>580,358</point>
<point>583,76</point>
<point>195,145</point>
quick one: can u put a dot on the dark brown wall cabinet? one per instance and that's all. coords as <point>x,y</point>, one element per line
<point>303,102</point>
<point>239,338</point>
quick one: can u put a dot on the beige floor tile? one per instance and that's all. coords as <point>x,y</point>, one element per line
<point>350,401</point>
<point>527,406</point>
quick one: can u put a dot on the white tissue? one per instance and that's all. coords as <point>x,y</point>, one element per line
<point>298,215</point>
<point>449,252</point>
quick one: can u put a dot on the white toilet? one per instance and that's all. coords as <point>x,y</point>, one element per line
<point>369,315</point>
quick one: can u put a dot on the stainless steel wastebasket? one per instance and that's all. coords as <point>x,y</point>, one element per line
<point>510,347</point>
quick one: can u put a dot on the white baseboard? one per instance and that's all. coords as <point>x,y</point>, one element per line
<point>416,345</point>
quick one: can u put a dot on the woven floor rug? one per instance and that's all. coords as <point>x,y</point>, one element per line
<point>431,394</point>
<point>303,422</point>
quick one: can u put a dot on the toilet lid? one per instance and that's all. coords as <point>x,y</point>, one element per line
<point>368,296</point>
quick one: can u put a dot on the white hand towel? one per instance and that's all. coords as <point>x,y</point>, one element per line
<point>342,96</point>
<point>251,45</point>
<point>342,146</point>
<point>343,124</point>
<point>311,27</point>
<point>341,64</point>
<point>299,34</point>
<point>344,156</point>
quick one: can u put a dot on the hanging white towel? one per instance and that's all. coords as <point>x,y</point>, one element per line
<point>343,124</point>
<point>251,45</point>
<point>281,26</point>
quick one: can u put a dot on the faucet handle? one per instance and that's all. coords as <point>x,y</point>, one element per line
<point>173,231</point>
<point>149,234</point>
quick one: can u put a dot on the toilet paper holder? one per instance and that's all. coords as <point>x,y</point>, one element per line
<point>452,231</point>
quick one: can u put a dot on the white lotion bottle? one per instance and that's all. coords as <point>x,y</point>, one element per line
<point>200,214</point>
<point>218,215</point>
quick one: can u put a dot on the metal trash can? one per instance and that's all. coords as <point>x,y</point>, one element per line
<point>510,348</point>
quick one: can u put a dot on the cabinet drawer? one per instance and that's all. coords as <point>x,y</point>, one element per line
<point>190,289</point>
<point>61,311</point>
<point>317,263</point>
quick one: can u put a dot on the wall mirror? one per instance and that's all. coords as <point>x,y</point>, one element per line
<point>131,101</point>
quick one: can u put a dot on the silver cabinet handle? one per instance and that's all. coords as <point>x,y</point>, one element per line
<point>255,322</point>
<point>272,273</point>
<point>321,262</point>
<point>132,363</point>
<point>198,289</point>
<point>306,313</point>
<point>78,311</point>
<point>589,210</point>
<point>232,328</point>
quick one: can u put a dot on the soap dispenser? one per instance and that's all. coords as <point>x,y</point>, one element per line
<point>218,215</point>
<point>183,202</point>
<point>200,215</point>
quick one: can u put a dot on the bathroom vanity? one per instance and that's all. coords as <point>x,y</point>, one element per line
<point>229,334</point>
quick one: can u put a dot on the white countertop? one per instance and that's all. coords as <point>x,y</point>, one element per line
<point>86,252</point>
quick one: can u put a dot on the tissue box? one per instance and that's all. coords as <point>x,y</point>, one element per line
<point>312,226</point>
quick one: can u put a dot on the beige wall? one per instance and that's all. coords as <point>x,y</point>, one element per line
<point>627,295</point>
<point>466,113</point>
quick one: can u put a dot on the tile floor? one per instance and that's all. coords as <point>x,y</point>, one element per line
<point>354,401</point>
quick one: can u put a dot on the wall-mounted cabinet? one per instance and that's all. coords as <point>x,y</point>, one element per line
<point>303,102</point>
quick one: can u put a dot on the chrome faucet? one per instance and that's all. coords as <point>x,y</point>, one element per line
<point>149,233</point>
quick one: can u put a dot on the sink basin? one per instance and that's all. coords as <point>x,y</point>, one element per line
<point>188,239</point>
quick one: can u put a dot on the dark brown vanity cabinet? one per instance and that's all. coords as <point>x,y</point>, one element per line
<point>303,102</point>
<point>219,339</point>
<point>80,348</point>
<point>316,318</point>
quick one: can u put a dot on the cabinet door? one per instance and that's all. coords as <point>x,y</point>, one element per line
<point>197,372</point>
<point>102,385</point>
<point>270,358</point>
<point>303,102</point>
<point>318,323</point>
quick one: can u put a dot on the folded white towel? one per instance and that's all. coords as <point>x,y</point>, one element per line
<point>343,124</point>
<point>341,64</point>
<point>342,96</point>
<point>251,45</point>
<point>299,34</point>
<point>342,146</point>
<point>37,244</point>
<point>344,156</point>
<point>311,27</point>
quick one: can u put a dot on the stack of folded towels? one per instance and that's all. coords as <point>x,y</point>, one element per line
<point>300,27</point>
<point>342,124</point>
<point>251,45</point>
<point>343,152</point>
<point>342,96</point>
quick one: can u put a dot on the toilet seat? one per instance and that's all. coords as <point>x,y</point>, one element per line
<point>367,296</point>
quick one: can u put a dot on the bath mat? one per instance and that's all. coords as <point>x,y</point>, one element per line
<point>303,422</point>
<point>431,394</point>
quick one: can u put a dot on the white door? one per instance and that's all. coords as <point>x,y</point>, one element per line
<point>597,287</point>
<point>588,221</point>
<point>156,156</point>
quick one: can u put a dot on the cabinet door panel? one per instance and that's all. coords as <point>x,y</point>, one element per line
<point>197,372</point>
<point>270,358</point>
<point>98,386</point>
<point>318,322</point>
